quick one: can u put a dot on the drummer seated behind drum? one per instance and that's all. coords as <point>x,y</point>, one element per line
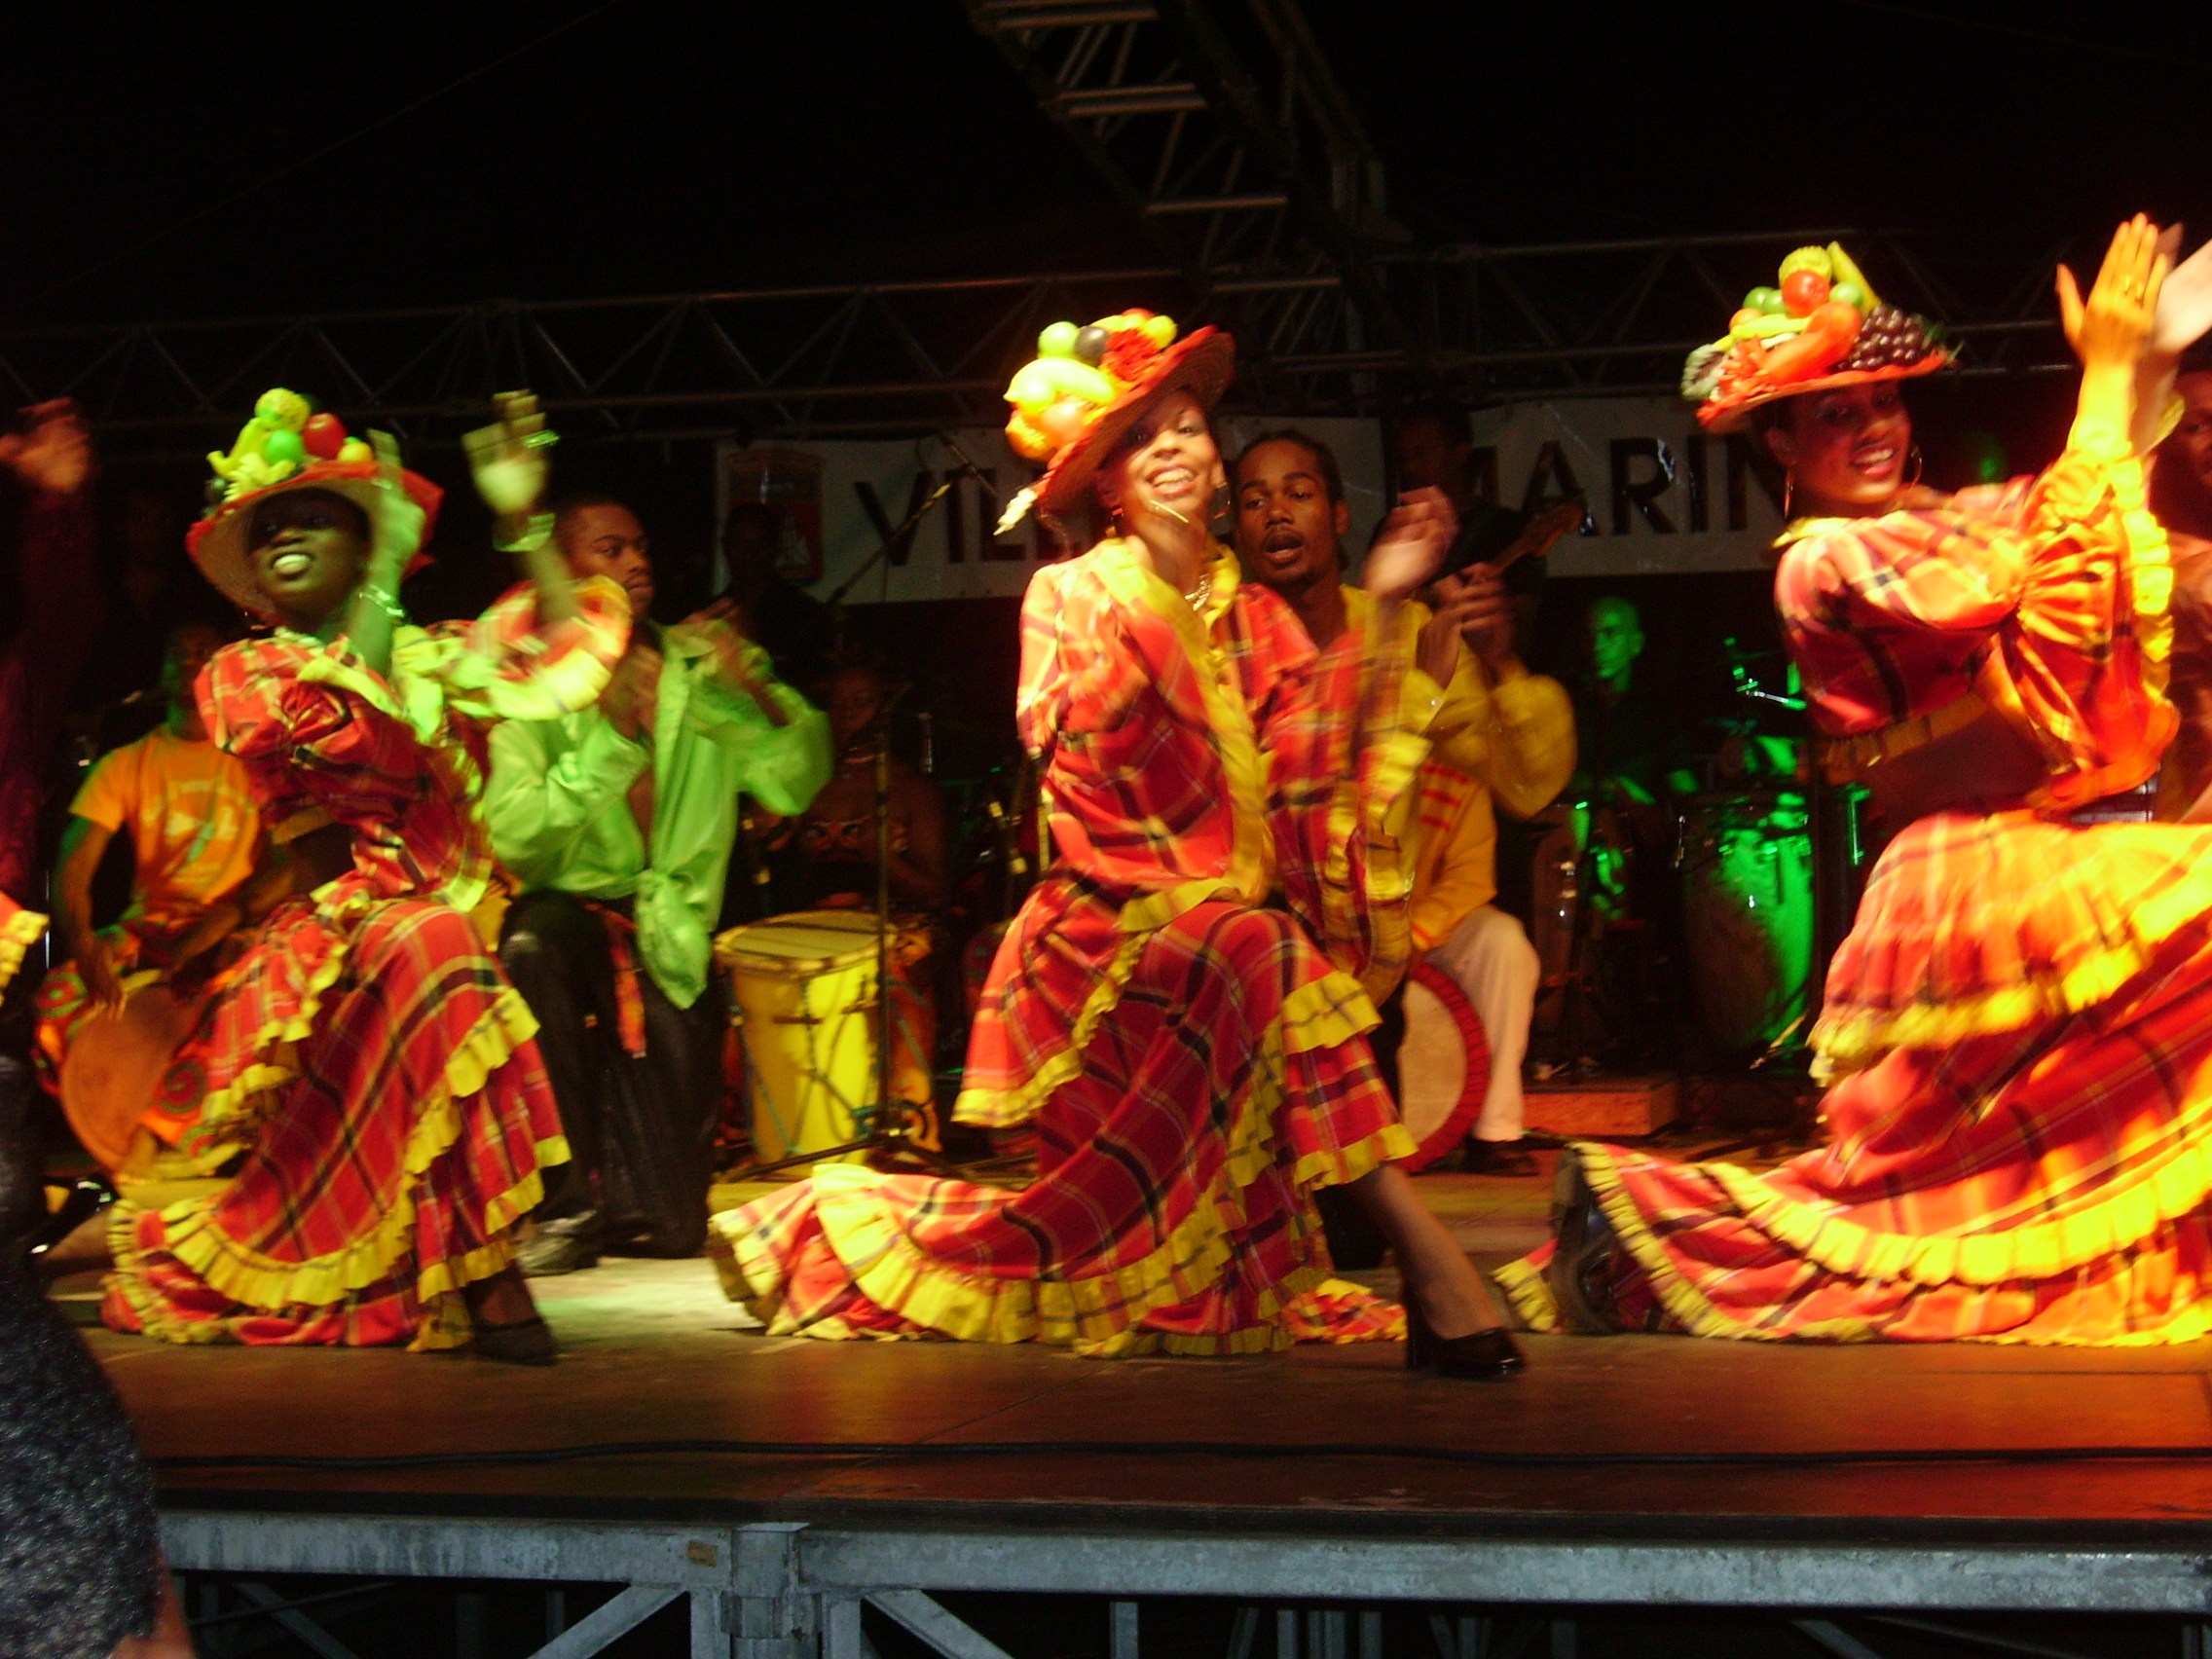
<point>196,839</point>
<point>617,822</point>
<point>1501,732</point>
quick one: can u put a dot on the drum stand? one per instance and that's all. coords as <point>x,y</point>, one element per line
<point>889,1130</point>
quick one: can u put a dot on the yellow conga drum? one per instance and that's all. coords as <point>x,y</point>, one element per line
<point>803,998</point>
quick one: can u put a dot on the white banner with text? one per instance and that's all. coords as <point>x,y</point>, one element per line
<point>1662,497</point>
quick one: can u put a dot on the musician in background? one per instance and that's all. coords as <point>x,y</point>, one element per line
<point>1434,447</point>
<point>832,859</point>
<point>618,821</point>
<point>1499,732</point>
<point>195,838</point>
<point>775,614</point>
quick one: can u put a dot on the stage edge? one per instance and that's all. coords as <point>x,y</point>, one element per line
<point>790,1563</point>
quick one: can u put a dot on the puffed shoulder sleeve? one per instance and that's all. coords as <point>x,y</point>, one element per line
<point>1074,680</point>
<point>511,665</point>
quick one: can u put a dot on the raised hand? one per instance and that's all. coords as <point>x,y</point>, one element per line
<point>401,523</point>
<point>2110,328</point>
<point>507,459</point>
<point>56,453</point>
<point>1410,545</point>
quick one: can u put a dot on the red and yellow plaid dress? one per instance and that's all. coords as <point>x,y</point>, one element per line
<point>1190,1057</point>
<point>2021,1019</point>
<point>367,1050</point>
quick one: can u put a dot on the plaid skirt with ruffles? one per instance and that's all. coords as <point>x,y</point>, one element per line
<point>384,1073</point>
<point>2019,1142</point>
<point>1169,1214</point>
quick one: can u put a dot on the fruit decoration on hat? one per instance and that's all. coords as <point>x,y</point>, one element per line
<point>1087,383</point>
<point>287,445</point>
<point>1820,326</point>
<point>283,436</point>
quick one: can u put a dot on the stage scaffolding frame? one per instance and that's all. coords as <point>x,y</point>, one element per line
<point>790,1590</point>
<point>1577,319</point>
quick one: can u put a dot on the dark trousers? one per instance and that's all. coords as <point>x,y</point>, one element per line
<point>640,1128</point>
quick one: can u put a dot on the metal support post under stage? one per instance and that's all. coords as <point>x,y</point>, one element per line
<point>784,1590</point>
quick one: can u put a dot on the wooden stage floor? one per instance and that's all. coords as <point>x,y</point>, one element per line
<point>653,1352</point>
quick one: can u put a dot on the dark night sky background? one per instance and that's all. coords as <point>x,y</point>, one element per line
<point>663,145</point>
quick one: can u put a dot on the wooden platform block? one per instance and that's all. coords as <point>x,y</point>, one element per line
<point>1604,1107</point>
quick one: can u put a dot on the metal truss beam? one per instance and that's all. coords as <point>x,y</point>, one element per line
<point>1222,129</point>
<point>1495,324</point>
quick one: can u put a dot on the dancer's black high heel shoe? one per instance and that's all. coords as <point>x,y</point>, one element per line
<point>1486,1355</point>
<point>88,1194</point>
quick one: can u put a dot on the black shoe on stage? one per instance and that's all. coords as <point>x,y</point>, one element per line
<point>1488,1356</point>
<point>1498,1157</point>
<point>1580,1271</point>
<point>88,1194</point>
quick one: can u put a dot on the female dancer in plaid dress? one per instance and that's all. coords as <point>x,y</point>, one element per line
<point>1190,1057</point>
<point>2019,1027</point>
<point>368,1047</point>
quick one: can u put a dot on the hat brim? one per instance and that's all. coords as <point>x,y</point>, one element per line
<point>1202,363</point>
<point>218,544</point>
<point>1733,413</point>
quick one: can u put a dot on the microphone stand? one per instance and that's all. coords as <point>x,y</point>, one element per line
<point>912,521</point>
<point>887,1130</point>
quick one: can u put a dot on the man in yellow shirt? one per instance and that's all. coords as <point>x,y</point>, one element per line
<point>196,837</point>
<point>1498,731</point>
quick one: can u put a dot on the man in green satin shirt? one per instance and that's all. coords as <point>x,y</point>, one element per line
<point>619,822</point>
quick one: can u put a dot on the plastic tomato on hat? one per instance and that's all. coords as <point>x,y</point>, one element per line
<point>1064,421</point>
<point>1803,291</point>
<point>324,436</point>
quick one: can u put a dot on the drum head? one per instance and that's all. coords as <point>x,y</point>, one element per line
<point>802,945</point>
<point>114,1068</point>
<point>1443,1065</point>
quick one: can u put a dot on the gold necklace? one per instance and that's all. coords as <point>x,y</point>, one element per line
<point>1197,598</point>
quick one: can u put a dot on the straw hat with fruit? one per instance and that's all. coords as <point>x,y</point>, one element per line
<point>1819,326</point>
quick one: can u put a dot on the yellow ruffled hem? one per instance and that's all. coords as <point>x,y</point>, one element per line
<point>1531,1297</point>
<point>1850,1040</point>
<point>1009,1108</point>
<point>229,1106</point>
<point>257,1280</point>
<point>2034,1252</point>
<point>1095,1314</point>
<point>18,934</point>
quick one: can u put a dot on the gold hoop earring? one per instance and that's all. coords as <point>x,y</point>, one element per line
<point>1788,493</point>
<point>1918,465</point>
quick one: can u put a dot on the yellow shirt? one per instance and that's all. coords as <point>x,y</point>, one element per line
<point>1512,739</point>
<point>190,816</point>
